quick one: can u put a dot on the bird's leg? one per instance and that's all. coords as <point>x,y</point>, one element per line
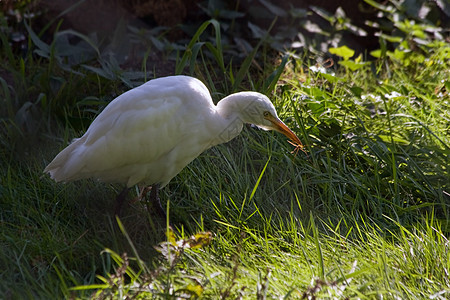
<point>156,203</point>
<point>120,200</point>
<point>143,193</point>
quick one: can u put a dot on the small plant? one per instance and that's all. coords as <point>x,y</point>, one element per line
<point>364,215</point>
<point>166,280</point>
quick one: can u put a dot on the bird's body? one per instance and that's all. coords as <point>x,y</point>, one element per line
<point>150,133</point>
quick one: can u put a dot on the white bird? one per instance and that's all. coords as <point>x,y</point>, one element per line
<point>150,133</point>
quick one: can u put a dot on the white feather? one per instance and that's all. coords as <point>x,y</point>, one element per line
<point>150,133</point>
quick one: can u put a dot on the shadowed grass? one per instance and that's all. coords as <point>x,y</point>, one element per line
<point>364,214</point>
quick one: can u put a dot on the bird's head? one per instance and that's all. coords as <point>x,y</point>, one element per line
<point>255,108</point>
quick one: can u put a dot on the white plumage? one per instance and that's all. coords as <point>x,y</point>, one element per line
<point>150,133</point>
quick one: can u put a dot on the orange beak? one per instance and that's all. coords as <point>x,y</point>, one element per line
<point>279,126</point>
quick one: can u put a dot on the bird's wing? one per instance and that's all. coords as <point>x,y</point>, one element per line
<point>138,127</point>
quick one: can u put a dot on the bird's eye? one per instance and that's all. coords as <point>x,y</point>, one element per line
<point>266,114</point>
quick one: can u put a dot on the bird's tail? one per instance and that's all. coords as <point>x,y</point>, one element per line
<point>64,167</point>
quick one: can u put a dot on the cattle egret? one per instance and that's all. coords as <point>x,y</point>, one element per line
<point>150,133</point>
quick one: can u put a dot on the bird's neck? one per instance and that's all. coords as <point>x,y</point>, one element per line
<point>232,117</point>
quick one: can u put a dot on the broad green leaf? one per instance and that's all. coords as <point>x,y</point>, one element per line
<point>195,289</point>
<point>343,51</point>
<point>376,53</point>
<point>43,47</point>
<point>330,78</point>
<point>352,65</point>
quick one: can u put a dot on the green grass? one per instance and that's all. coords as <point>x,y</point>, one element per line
<point>365,214</point>
<point>297,260</point>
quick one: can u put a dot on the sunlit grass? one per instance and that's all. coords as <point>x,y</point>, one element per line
<point>364,214</point>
